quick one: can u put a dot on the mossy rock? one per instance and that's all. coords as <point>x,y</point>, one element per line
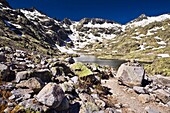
<point>81,70</point>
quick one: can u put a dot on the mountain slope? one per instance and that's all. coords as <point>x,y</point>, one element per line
<point>148,41</point>
<point>30,29</point>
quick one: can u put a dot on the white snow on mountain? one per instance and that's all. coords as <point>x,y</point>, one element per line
<point>149,20</point>
<point>32,14</point>
<point>104,25</point>
<point>163,55</point>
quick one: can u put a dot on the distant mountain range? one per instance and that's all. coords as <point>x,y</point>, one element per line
<point>144,38</point>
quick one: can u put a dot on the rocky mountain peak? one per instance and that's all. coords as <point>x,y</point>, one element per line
<point>5,3</point>
<point>140,18</point>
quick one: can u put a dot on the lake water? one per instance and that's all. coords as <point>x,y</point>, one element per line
<point>93,59</point>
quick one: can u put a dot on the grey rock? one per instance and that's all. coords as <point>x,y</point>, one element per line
<point>54,71</point>
<point>109,110</point>
<point>57,71</point>
<point>2,57</point>
<point>6,74</point>
<point>9,86</point>
<point>8,110</point>
<point>21,94</point>
<point>67,87</point>
<point>144,98</point>
<point>61,79</point>
<point>130,74</point>
<point>139,89</point>
<point>6,49</point>
<point>95,96</point>
<point>86,97</point>
<point>150,110</point>
<point>162,95</point>
<point>100,103</point>
<point>165,81</point>
<point>11,104</point>
<point>74,79</point>
<point>33,83</point>
<point>44,74</point>
<point>168,104</point>
<point>20,54</point>
<point>22,75</point>
<point>89,107</point>
<point>101,111</point>
<point>33,104</point>
<point>64,105</point>
<point>3,101</point>
<point>51,95</point>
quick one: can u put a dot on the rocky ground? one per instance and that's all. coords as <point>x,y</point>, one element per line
<point>38,83</point>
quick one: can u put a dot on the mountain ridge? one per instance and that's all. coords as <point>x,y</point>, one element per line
<point>29,28</point>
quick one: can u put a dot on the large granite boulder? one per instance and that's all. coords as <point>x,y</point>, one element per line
<point>131,74</point>
<point>51,95</point>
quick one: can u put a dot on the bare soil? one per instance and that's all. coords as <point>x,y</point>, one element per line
<point>130,98</point>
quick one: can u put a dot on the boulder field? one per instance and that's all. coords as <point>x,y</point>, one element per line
<point>38,83</point>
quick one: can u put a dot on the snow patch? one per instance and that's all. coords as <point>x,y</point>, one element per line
<point>104,25</point>
<point>158,38</point>
<point>65,50</point>
<point>160,47</point>
<point>32,15</point>
<point>163,55</point>
<point>161,43</point>
<point>149,20</point>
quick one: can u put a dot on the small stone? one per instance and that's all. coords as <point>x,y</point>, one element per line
<point>168,103</point>
<point>130,90</point>
<point>150,110</point>
<point>22,75</point>
<point>67,87</point>
<point>21,92</point>
<point>162,95</point>
<point>118,106</point>
<point>100,103</point>
<point>8,110</point>
<point>2,57</point>
<point>139,89</point>
<point>109,110</point>
<point>88,107</point>
<point>85,97</point>
<point>11,104</point>
<point>34,105</point>
<point>75,79</point>
<point>6,74</point>
<point>144,98</point>
<point>95,96</point>
<point>33,83</point>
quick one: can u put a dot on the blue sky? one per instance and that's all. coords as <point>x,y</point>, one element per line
<point>121,11</point>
